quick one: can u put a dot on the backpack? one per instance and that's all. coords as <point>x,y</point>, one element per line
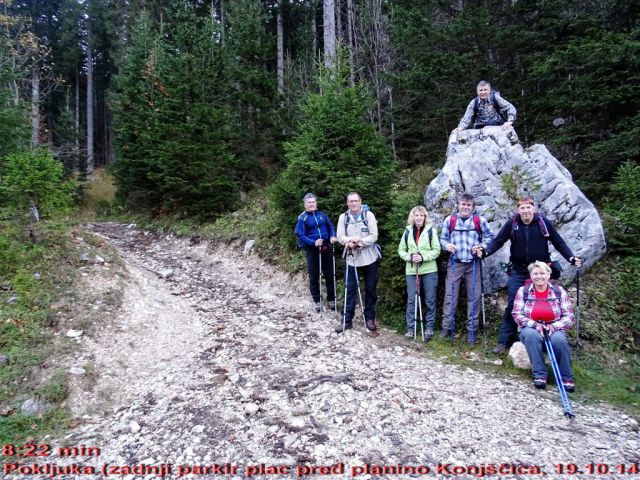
<point>299,243</point>
<point>554,286</point>
<point>405,237</point>
<point>541,224</point>
<point>496,106</point>
<point>365,209</point>
<point>476,224</point>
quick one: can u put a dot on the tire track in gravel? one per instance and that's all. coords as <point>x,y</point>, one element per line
<point>215,359</point>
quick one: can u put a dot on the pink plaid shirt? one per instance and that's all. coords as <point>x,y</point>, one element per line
<point>562,308</point>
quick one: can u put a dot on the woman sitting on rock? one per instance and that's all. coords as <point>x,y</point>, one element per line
<point>541,305</point>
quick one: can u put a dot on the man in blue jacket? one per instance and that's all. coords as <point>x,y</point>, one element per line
<point>316,233</point>
<point>530,234</point>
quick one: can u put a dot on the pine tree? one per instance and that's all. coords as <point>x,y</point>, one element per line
<point>172,123</point>
<point>251,87</point>
<point>335,151</point>
<point>136,96</point>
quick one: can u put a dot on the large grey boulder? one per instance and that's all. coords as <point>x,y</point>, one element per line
<point>497,170</point>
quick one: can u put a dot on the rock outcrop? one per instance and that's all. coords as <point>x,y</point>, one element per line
<point>497,170</point>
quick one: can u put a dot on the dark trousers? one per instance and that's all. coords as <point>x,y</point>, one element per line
<point>509,328</point>
<point>313,267</point>
<point>370,275</point>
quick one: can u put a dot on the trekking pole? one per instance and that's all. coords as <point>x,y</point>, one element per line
<point>320,280</point>
<point>417,311</point>
<point>577,310</point>
<point>355,271</point>
<point>472,333</point>
<point>346,286</point>
<point>335,287</point>
<point>453,303</point>
<point>484,321</point>
<point>556,373</point>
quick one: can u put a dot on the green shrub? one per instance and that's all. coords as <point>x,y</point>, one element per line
<point>35,178</point>
<point>623,209</point>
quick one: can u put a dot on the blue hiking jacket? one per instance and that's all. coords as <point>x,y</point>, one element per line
<point>314,225</point>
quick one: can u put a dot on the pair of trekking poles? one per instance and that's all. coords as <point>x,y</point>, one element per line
<point>333,259</point>
<point>346,286</point>
<point>472,333</point>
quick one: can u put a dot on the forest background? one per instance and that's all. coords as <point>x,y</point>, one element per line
<point>216,116</point>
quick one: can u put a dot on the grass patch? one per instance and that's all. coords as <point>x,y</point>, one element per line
<point>99,196</point>
<point>31,277</point>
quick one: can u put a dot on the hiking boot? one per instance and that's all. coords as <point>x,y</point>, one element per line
<point>341,328</point>
<point>445,333</point>
<point>500,349</point>
<point>428,335</point>
<point>371,325</point>
<point>409,334</point>
<point>540,383</point>
<point>569,386</point>
<point>332,305</point>
<point>318,307</point>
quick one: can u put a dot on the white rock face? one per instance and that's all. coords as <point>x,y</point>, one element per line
<point>519,357</point>
<point>492,165</point>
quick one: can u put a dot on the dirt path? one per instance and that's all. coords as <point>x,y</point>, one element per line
<point>216,360</point>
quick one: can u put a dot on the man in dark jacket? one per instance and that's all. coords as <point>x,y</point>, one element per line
<point>530,234</point>
<point>316,233</point>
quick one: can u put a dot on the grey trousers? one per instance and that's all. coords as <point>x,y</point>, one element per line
<point>455,275</point>
<point>428,289</point>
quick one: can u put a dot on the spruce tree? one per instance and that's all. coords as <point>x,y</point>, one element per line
<point>173,127</point>
<point>335,151</point>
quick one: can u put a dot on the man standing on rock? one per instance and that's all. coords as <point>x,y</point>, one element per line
<point>530,234</point>
<point>358,232</point>
<point>315,232</point>
<point>463,235</point>
<point>488,108</point>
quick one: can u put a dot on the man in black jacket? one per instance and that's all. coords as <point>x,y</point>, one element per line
<point>530,234</point>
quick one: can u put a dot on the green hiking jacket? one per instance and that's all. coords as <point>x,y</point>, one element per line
<point>429,254</point>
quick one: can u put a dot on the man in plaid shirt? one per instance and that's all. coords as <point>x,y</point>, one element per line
<point>463,237</point>
<point>488,108</point>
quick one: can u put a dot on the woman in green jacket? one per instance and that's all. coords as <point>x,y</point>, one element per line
<point>419,247</point>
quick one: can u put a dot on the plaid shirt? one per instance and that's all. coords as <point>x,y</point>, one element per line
<point>562,308</point>
<point>464,236</point>
<point>486,112</point>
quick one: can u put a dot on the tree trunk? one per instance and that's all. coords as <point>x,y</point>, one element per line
<point>280,47</point>
<point>34,217</point>
<point>90,153</point>
<point>339,32</point>
<point>77,114</point>
<point>35,107</point>
<point>329,33</point>
<point>314,34</point>
<point>222,21</point>
<point>350,42</point>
